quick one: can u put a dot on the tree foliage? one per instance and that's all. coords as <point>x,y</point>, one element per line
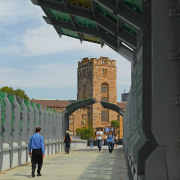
<point>85,132</point>
<point>78,131</point>
<point>115,123</point>
<point>17,92</point>
<point>7,89</point>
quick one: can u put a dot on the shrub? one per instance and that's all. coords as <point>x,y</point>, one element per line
<point>78,131</point>
<point>85,132</point>
<point>115,123</point>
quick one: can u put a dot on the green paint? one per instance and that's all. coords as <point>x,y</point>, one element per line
<point>85,22</point>
<point>129,28</point>
<point>136,5</point>
<point>107,13</point>
<point>38,106</point>
<point>59,15</point>
<point>70,33</point>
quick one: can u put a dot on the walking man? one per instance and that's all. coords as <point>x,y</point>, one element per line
<point>99,138</point>
<point>36,144</point>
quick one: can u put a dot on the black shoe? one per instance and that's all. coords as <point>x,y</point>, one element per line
<point>33,175</point>
<point>39,174</point>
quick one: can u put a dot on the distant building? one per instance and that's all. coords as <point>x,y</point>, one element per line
<point>96,79</point>
<point>124,97</point>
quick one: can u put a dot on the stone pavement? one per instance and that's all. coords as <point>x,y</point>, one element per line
<point>80,164</point>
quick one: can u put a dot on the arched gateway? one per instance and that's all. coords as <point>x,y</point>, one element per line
<point>83,103</point>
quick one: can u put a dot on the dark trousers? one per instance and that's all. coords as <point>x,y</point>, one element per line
<point>99,144</point>
<point>36,159</point>
<point>111,146</point>
<point>67,146</point>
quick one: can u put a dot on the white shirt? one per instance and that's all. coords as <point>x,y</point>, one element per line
<point>99,135</point>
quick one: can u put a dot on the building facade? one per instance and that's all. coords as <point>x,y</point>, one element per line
<point>96,78</point>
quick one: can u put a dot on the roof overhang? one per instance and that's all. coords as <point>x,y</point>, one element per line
<point>115,23</point>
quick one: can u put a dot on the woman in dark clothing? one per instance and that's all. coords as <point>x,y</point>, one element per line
<point>67,141</point>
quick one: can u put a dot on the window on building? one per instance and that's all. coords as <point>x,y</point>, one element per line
<point>104,87</point>
<point>71,119</point>
<point>84,119</point>
<point>104,116</point>
<point>105,99</point>
<point>104,72</point>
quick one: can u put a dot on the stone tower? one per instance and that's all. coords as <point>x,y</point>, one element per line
<point>97,79</point>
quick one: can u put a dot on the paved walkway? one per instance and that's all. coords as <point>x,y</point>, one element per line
<point>81,164</point>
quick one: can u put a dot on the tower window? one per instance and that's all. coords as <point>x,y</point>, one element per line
<point>104,87</point>
<point>84,119</point>
<point>104,116</point>
<point>104,72</point>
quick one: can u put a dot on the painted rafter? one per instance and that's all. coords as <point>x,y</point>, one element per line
<point>123,12</point>
<point>100,20</point>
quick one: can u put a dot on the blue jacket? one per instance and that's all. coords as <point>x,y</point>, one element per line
<point>36,142</point>
<point>110,138</point>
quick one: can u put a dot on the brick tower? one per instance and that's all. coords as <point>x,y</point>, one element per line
<point>97,79</point>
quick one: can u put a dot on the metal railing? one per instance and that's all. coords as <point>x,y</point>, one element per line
<point>18,119</point>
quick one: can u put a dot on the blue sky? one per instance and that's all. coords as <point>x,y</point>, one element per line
<point>35,59</point>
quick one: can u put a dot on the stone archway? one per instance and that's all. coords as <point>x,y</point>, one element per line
<point>73,107</point>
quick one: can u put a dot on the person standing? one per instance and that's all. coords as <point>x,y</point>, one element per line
<point>91,140</point>
<point>110,140</point>
<point>67,141</point>
<point>36,144</point>
<point>99,138</point>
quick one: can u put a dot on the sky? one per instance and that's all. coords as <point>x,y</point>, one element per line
<point>34,58</point>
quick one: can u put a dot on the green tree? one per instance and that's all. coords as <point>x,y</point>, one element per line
<point>17,92</point>
<point>8,90</point>
<point>21,93</point>
<point>78,131</point>
<point>115,123</point>
<point>85,132</point>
